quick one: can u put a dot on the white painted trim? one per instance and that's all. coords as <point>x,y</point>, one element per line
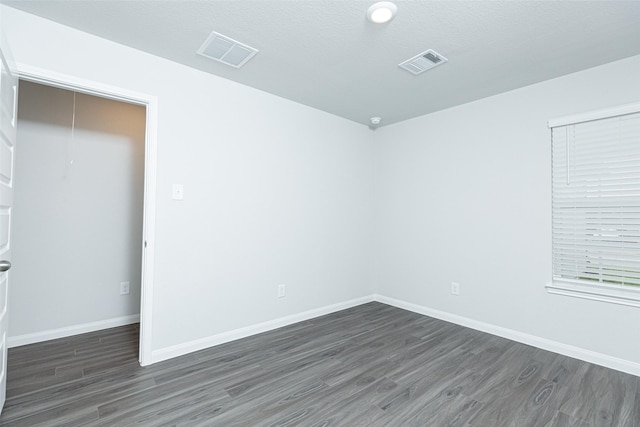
<point>148,233</point>
<point>68,331</point>
<point>539,342</point>
<point>595,115</point>
<point>543,343</point>
<point>72,83</point>
<point>202,343</point>
<point>624,295</point>
<point>52,78</point>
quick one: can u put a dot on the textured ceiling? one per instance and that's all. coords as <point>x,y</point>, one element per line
<point>325,54</point>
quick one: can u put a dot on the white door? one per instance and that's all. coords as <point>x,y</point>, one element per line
<point>8,122</point>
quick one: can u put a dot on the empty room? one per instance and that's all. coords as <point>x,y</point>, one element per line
<point>320,213</point>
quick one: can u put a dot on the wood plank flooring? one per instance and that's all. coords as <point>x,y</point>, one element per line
<point>372,365</point>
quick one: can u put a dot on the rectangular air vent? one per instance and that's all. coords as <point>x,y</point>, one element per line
<point>423,62</point>
<point>226,50</point>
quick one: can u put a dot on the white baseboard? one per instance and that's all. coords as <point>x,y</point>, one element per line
<point>543,343</point>
<point>68,331</point>
<point>202,343</point>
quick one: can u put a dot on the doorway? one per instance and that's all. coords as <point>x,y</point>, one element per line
<point>143,240</point>
<point>78,214</point>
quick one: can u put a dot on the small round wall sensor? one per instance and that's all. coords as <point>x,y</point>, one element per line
<point>375,120</point>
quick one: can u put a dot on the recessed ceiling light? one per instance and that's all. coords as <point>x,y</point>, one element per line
<point>381,12</point>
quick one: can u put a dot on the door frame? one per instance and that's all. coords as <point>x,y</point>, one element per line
<point>63,81</point>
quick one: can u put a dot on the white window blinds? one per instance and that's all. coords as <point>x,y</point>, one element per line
<point>596,201</point>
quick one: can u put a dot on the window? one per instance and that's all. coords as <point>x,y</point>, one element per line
<point>596,205</point>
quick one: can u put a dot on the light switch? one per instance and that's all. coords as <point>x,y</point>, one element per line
<point>177,192</point>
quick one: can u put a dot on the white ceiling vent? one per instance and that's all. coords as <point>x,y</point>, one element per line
<point>226,50</point>
<point>423,62</point>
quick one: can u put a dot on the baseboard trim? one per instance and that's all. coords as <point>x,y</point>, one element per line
<point>68,331</point>
<point>202,343</point>
<point>590,356</point>
<point>543,343</point>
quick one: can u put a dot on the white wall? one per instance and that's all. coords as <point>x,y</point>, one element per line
<point>78,210</point>
<point>465,195</point>
<point>275,192</point>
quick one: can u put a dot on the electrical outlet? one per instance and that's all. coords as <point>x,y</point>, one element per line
<point>455,288</point>
<point>125,288</point>
<point>282,291</point>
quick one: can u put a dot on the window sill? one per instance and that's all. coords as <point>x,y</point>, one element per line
<point>625,295</point>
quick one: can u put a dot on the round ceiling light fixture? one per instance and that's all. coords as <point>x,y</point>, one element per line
<point>381,12</point>
<point>375,121</point>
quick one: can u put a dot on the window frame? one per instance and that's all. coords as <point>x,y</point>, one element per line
<point>617,294</point>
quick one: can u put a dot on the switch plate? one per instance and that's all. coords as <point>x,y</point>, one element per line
<point>125,288</point>
<point>282,291</point>
<point>177,192</point>
<point>455,288</point>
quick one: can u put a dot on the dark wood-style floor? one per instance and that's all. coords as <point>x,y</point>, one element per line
<point>372,365</point>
